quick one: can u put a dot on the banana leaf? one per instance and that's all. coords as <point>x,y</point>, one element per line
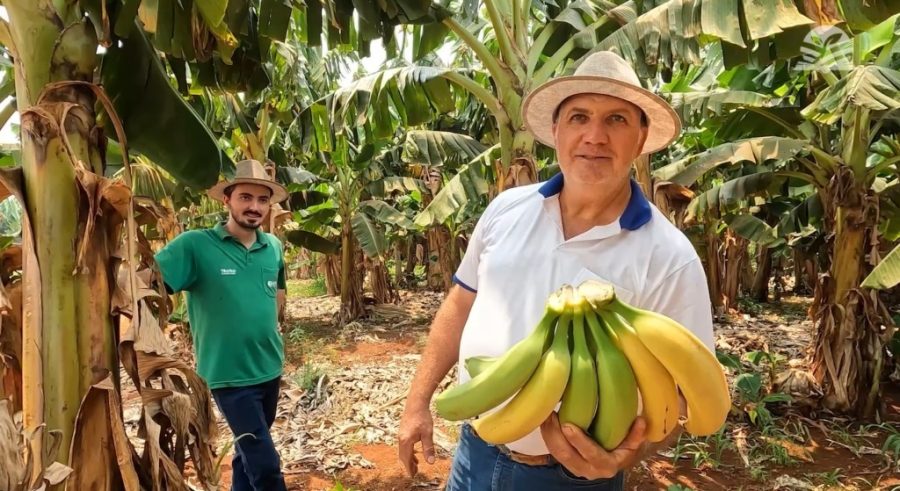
<point>871,87</point>
<point>720,199</point>
<point>755,230</point>
<point>886,274</point>
<point>690,105</point>
<point>371,238</point>
<point>312,242</point>
<point>416,94</point>
<point>672,31</point>
<point>385,213</point>
<point>440,148</point>
<point>392,184</point>
<point>158,122</point>
<point>756,151</point>
<point>305,198</point>
<point>466,186</point>
<point>807,214</point>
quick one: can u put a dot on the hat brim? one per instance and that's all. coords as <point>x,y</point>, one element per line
<point>279,193</point>
<point>539,106</point>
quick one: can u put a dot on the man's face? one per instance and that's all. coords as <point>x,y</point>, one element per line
<point>597,137</point>
<point>249,204</point>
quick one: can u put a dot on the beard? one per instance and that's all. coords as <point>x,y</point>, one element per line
<point>242,220</point>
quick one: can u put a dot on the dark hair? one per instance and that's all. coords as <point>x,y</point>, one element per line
<point>644,121</point>
<point>228,190</point>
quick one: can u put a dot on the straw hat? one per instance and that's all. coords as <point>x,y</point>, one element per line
<point>249,172</point>
<point>603,72</point>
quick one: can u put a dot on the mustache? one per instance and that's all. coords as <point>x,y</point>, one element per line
<point>252,214</point>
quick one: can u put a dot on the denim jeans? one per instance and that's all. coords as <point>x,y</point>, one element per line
<point>256,465</point>
<point>479,466</point>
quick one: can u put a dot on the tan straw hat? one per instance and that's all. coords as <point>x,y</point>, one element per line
<point>249,172</point>
<point>603,72</point>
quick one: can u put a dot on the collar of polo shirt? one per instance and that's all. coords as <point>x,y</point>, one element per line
<point>223,234</point>
<point>636,213</point>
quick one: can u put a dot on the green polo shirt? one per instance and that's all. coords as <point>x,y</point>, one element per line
<point>231,295</point>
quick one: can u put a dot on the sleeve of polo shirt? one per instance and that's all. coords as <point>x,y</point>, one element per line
<point>683,296</point>
<point>467,273</point>
<point>176,263</point>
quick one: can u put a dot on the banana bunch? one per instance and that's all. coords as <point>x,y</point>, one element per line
<point>600,360</point>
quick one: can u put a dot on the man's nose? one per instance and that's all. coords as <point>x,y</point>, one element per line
<point>596,133</point>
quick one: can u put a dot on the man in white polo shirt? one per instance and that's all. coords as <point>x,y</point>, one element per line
<point>588,221</point>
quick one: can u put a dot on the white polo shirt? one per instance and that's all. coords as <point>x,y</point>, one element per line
<point>517,256</point>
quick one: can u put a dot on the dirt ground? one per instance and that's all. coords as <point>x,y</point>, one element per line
<point>344,391</point>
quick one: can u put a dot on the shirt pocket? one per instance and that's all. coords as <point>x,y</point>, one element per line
<point>269,281</point>
<point>622,293</point>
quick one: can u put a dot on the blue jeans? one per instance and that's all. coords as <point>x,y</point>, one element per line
<point>479,466</point>
<point>256,465</point>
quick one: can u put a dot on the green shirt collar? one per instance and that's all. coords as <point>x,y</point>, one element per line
<point>223,234</point>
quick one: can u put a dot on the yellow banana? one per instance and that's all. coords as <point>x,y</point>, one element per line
<point>616,386</point>
<point>658,392</point>
<point>477,364</point>
<point>693,366</point>
<point>579,400</point>
<point>537,399</point>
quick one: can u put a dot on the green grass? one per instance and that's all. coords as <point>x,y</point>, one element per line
<point>308,376</point>
<point>307,288</point>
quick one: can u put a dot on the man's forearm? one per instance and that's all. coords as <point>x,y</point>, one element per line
<point>442,348</point>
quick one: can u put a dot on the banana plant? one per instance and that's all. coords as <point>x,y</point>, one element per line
<point>152,51</point>
<point>841,150</point>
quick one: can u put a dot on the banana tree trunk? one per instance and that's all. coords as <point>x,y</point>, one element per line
<point>734,266</point>
<point>330,269</point>
<point>412,253</point>
<point>440,262</point>
<point>516,166</point>
<point>68,333</point>
<point>747,275</point>
<point>849,352</point>
<point>351,281</point>
<point>760,290</point>
<point>379,281</point>
<point>398,264</point>
<point>713,265</point>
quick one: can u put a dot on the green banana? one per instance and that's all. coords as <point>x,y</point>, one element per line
<point>477,364</point>
<point>658,392</point>
<point>616,386</point>
<point>502,379</point>
<point>579,401</point>
<point>537,399</point>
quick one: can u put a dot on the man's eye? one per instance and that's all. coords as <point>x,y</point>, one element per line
<point>618,118</point>
<point>578,118</point>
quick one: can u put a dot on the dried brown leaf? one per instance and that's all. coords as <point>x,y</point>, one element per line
<point>101,467</point>
<point>12,469</point>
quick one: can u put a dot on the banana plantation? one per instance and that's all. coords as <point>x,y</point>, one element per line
<point>393,124</point>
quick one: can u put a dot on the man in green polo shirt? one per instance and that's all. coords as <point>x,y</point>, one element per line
<point>234,278</point>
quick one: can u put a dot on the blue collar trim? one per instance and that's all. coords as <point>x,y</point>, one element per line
<point>636,214</point>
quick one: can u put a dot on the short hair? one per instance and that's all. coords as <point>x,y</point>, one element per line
<point>644,121</point>
<point>229,189</point>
